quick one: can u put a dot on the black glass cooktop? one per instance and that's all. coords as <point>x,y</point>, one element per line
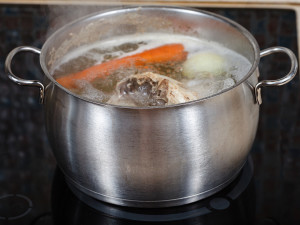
<point>33,191</point>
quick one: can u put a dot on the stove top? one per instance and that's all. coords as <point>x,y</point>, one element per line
<point>33,191</point>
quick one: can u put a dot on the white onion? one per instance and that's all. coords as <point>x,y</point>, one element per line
<point>204,64</point>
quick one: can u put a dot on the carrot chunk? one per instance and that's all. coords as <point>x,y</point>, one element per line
<point>165,53</point>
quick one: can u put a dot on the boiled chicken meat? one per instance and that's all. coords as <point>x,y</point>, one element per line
<point>150,89</point>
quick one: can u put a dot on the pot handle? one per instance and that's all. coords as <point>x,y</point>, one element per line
<point>16,79</point>
<point>287,78</point>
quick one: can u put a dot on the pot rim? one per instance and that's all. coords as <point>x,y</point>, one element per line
<point>189,10</point>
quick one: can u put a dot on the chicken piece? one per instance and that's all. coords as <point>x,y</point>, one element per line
<point>150,89</point>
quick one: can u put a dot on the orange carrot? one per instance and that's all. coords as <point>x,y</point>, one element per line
<point>165,53</point>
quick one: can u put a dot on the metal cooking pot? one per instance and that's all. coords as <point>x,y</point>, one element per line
<point>160,156</point>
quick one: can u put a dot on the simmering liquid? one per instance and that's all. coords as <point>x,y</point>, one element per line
<point>207,69</point>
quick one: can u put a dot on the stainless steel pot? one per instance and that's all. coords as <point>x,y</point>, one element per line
<point>160,156</point>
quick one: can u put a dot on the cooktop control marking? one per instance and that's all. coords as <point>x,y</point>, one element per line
<point>219,203</point>
<point>14,206</point>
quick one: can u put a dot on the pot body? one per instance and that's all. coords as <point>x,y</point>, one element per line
<point>151,157</point>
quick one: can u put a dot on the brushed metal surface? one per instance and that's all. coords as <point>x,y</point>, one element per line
<point>160,156</point>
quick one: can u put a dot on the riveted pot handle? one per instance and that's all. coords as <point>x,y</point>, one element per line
<point>287,78</point>
<point>18,80</point>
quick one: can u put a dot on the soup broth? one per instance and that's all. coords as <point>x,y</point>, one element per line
<point>203,69</point>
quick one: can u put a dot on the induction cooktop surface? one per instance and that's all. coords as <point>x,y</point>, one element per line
<point>33,190</point>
